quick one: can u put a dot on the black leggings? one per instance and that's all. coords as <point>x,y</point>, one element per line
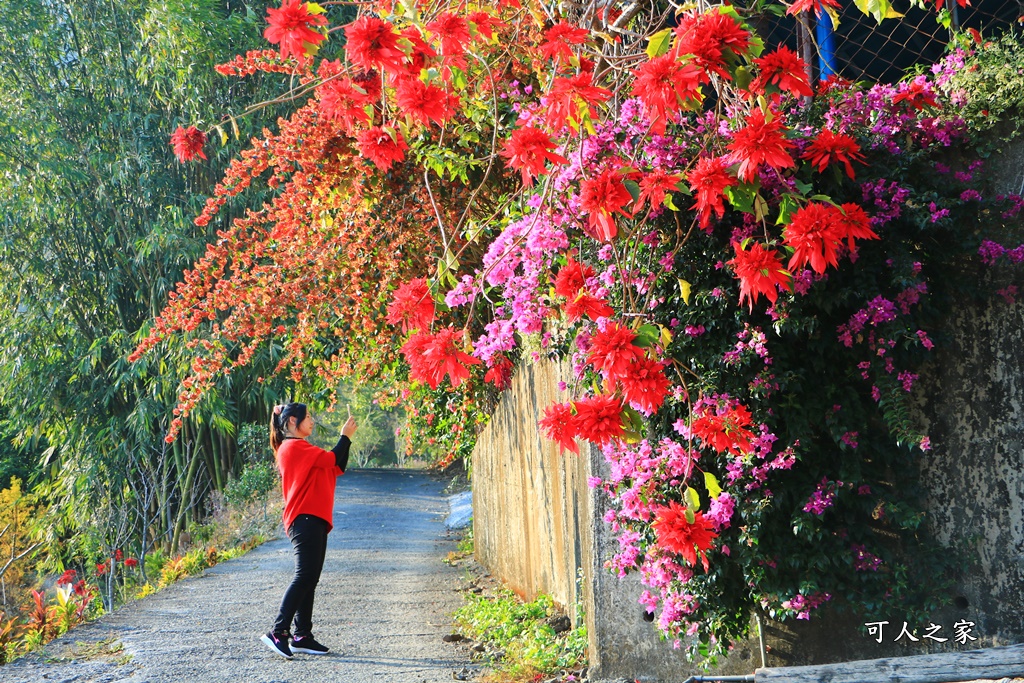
<point>309,538</point>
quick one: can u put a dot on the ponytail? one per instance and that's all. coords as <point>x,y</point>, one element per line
<point>279,417</point>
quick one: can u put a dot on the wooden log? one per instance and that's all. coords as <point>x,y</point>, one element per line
<point>946,667</point>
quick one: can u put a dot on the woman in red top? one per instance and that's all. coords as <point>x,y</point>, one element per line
<point>308,477</point>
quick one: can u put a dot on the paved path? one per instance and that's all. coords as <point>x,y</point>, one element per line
<point>383,605</point>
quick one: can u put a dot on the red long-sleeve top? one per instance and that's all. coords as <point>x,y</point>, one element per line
<point>308,477</point>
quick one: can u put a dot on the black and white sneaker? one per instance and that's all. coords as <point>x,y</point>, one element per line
<point>307,645</point>
<point>278,642</point>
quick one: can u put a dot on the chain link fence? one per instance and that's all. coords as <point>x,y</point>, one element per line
<point>861,49</point>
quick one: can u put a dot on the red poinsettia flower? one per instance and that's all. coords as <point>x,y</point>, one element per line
<point>411,306</point>
<point>486,23</point>
<point>831,147</point>
<point>852,223</point>
<point>432,356</point>
<point>500,373</point>
<point>131,563</point>
<point>782,68</point>
<point>918,95</point>
<point>708,37</point>
<point>291,27</point>
<point>424,102</point>
<point>572,277</point>
<point>602,196</point>
<point>528,150</point>
<point>573,97</point>
<point>188,143</point>
<point>679,536</point>
<point>599,419</point>
<point>725,430</point>
<point>370,83</point>
<point>760,142</point>
<point>665,85</point>
<point>421,53</point>
<point>341,100</point>
<point>559,39</point>
<point>561,426</point>
<point>817,6</point>
<point>612,350</point>
<point>372,43</point>
<point>708,181</point>
<point>654,187</point>
<point>378,145</point>
<point>759,271</point>
<point>814,233</point>
<point>645,384</point>
<point>453,32</point>
<point>586,305</point>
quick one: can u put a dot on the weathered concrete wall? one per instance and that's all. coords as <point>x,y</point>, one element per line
<point>531,516</point>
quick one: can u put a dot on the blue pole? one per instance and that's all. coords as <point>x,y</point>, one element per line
<point>826,46</point>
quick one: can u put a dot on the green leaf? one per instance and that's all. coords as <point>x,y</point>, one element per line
<point>633,187</point>
<point>692,499</point>
<point>742,197</point>
<point>658,44</point>
<point>711,484</point>
<point>787,207</point>
<point>647,336</point>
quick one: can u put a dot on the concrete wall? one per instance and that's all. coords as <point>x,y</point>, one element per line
<point>531,513</point>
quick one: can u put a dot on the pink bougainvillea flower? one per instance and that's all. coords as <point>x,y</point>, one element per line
<point>760,142</point>
<point>814,233</point>
<point>378,145</point>
<point>666,85</point>
<point>424,102</point>
<point>829,147</point>
<point>612,350</point>
<point>559,39</point>
<point>188,143</point>
<point>411,306</point>
<point>708,181</point>
<point>782,68</point>
<point>561,426</point>
<point>291,26</point>
<point>602,196</point>
<point>528,150</point>
<point>372,43</point>
<point>599,419</point>
<point>676,535</point>
<point>572,98</point>
<point>759,271</point>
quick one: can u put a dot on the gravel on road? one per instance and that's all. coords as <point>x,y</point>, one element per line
<point>383,605</point>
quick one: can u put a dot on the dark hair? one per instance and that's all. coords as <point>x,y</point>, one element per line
<point>279,417</point>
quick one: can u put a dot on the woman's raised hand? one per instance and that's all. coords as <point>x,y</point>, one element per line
<point>350,427</point>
